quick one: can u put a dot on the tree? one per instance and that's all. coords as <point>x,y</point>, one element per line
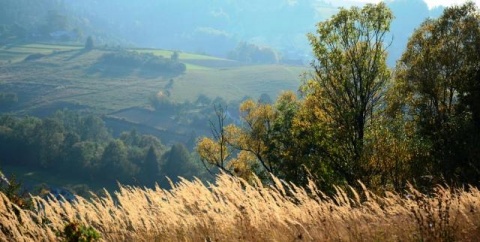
<point>326,133</point>
<point>49,137</point>
<point>115,164</point>
<point>266,143</point>
<point>349,81</point>
<point>131,138</point>
<point>216,152</point>
<point>178,162</point>
<point>148,141</point>
<point>439,77</point>
<point>23,148</point>
<point>93,128</point>
<point>175,56</point>
<point>250,53</point>
<point>284,144</point>
<point>252,140</point>
<point>83,156</point>
<point>89,44</point>
<point>265,98</point>
<point>150,170</point>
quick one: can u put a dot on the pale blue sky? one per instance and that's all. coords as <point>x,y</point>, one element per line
<point>430,3</point>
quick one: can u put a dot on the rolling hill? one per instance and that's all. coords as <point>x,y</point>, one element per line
<point>46,78</point>
<point>67,75</point>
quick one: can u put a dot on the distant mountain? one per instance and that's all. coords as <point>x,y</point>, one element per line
<point>409,14</point>
<point>212,27</point>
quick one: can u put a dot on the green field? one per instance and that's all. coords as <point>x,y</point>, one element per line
<point>67,76</point>
<point>15,53</point>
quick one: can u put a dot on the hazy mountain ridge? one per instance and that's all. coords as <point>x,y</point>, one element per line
<point>214,27</point>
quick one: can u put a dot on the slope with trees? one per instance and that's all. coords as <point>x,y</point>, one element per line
<point>438,79</point>
<point>79,146</point>
<point>358,121</point>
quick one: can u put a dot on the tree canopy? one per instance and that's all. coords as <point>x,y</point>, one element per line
<point>438,76</point>
<point>358,120</point>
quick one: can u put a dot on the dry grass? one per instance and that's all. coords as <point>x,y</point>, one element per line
<point>231,210</point>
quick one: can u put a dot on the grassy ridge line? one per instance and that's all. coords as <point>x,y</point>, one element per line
<point>19,52</point>
<point>23,50</point>
<point>182,55</point>
<point>233,210</point>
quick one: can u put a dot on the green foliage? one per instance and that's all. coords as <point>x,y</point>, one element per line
<point>266,144</point>
<point>150,171</point>
<point>55,21</point>
<point>48,136</point>
<point>79,146</point>
<point>21,18</point>
<point>283,146</point>
<point>250,53</point>
<point>114,163</point>
<point>145,61</point>
<point>178,162</point>
<point>356,123</point>
<point>438,81</point>
<point>77,232</point>
<point>325,134</point>
<point>13,190</point>
<point>348,84</point>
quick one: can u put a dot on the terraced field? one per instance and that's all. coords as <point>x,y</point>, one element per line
<point>68,75</point>
<point>15,53</point>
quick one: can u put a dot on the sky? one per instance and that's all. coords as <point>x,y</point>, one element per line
<point>430,3</point>
<point>434,3</point>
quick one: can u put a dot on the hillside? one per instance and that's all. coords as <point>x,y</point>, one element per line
<point>215,27</point>
<point>66,74</point>
<point>57,77</point>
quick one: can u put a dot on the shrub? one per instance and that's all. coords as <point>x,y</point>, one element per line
<point>77,232</point>
<point>145,61</point>
<point>13,190</point>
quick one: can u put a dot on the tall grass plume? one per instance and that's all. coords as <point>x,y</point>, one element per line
<point>234,210</point>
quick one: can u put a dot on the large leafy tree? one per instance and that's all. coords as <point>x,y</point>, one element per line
<point>438,77</point>
<point>348,85</point>
<point>325,133</point>
<point>263,144</point>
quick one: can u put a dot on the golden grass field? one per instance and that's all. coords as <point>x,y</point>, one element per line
<point>232,210</point>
